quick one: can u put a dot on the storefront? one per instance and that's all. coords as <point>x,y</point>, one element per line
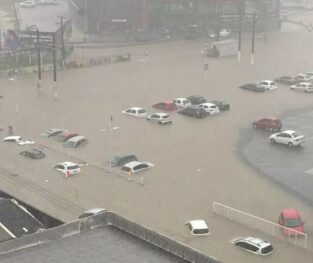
<point>113,16</point>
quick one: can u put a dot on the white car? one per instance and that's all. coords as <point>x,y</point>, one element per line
<point>198,227</point>
<point>28,3</point>
<point>268,84</point>
<point>136,166</point>
<point>136,112</point>
<point>182,102</point>
<point>19,140</point>
<point>305,77</point>
<point>210,108</point>
<point>52,132</point>
<point>288,137</point>
<point>305,86</point>
<point>161,118</point>
<point>67,167</point>
<point>225,32</point>
<point>254,245</point>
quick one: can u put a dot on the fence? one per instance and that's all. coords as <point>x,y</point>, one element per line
<point>107,219</point>
<point>266,226</point>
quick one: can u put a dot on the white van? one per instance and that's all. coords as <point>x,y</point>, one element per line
<point>182,102</point>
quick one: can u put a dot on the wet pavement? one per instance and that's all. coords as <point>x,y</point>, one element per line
<point>292,168</point>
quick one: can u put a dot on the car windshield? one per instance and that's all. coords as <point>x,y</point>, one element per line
<point>267,250</point>
<point>165,116</point>
<point>69,144</point>
<point>295,134</point>
<point>201,231</point>
<point>141,111</point>
<point>126,169</point>
<point>293,222</point>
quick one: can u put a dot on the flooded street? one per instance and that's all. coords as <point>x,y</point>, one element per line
<point>196,161</point>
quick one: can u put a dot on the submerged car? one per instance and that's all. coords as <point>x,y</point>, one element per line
<point>304,86</point>
<point>182,102</point>
<point>289,80</point>
<point>136,166</point>
<point>75,142</point>
<point>268,84</point>
<point>269,123</point>
<point>160,118</point>
<point>195,112</point>
<point>209,108</point>
<point>52,132</point>
<point>167,106</point>
<point>33,154</point>
<point>18,139</point>
<point>135,112</point>
<point>197,99</point>
<point>67,167</point>
<point>120,160</point>
<point>221,104</point>
<point>287,137</point>
<point>198,227</point>
<point>254,245</point>
<point>291,220</point>
<point>252,87</point>
<point>64,136</point>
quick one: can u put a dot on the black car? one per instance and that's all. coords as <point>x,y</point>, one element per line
<point>195,112</point>
<point>196,99</point>
<point>123,159</point>
<point>33,154</point>
<point>288,80</point>
<point>221,104</point>
<point>252,87</point>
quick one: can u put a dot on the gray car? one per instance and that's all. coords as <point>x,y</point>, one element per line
<point>120,160</point>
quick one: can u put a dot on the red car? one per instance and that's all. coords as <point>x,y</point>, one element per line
<point>291,219</point>
<point>167,106</point>
<point>64,136</point>
<point>269,123</point>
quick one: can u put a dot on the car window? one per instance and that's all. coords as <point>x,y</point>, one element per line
<point>128,111</point>
<point>165,116</point>
<point>267,249</point>
<point>140,166</point>
<point>73,167</point>
<point>126,169</point>
<point>133,111</point>
<point>252,247</point>
<point>141,111</point>
<point>241,244</point>
<point>200,231</point>
<point>59,166</point>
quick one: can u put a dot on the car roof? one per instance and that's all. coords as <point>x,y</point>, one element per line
<point>208,104</point>
<point>136,108</point>
<point>132,164</point>
<point>160,114</point>
<point>288,131</point>
<point>14,137</point>
<point>305,83</point>
<point>256,241</point>
<point>66,163</point>
<point>77,138</point>
<point>290,213</point>
<point>35,151</point>
<point>181,99</point>
<point>270,118</point>
<point>266,80</point>
<point>198,224</point>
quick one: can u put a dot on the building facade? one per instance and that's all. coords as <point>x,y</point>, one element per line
<point>111,16</point>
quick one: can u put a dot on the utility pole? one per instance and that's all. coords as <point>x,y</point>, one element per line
<point>253,40</point>
<point>54,67</point>
<point>38,62</point>
<point>239,31</point>
<point>62,42</point>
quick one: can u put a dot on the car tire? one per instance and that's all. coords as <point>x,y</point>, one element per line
<point>272,141</point>
<point>290,145</point>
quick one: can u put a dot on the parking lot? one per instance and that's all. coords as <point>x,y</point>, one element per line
<point>196,161</point>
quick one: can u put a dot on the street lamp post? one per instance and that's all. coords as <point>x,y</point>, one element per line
<point>109,131</point>
<point>14,80</point>
<point>145,62</point>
